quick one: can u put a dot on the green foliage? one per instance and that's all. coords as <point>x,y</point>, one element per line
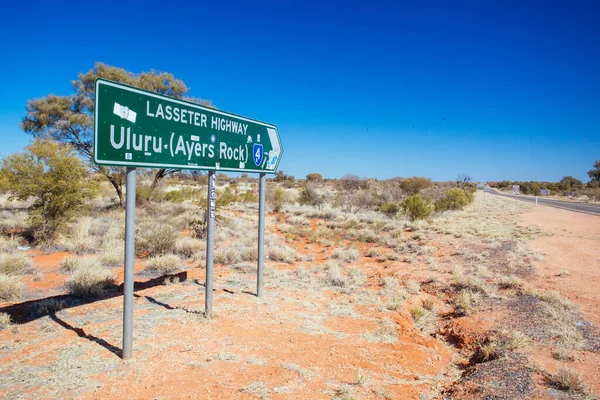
<point>415,184</point>
<point>455,199</point>
<point>155,239</point>
<point>390,209</point>
<point>55,179</point>
<point>281,176</point>
<point>415,207</point>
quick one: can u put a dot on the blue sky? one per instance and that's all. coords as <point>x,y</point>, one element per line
<point>494,89</point>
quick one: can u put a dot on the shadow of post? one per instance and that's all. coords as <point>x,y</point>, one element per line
<point>28,311</point>
<point>81,333</point>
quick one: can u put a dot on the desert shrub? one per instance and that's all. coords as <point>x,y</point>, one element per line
<point>417,313</point>
<point>15,264</point>
<point>163,264</point>
<point>568,380</point>
<point>346,255</point>
<point>183,194</point>
<point>276,199</point>
<point>390,209</point>
<point>464,301</point>
<point>55,178</point>
<point>415,184</point>
<point>227,255</point>
<point>310,197</point>
<point>334,276</point>
<point>372,253</point>
<point>73,263</point>
<point>8,245</point>
<point>415,207</point>
<point>113,255</point>
<point>89,281</point>
<point>281,254</point>
<point>155,238</point>
<point>10,287</point>
<point>5,321</point>
<point>145,193</point>
<point>455,199</point>
<point>187,246</point>
<point>314,177</point>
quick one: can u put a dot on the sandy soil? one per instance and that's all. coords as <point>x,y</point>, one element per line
<point>571,266</point>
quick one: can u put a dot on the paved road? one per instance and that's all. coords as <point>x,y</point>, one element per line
<point>593,209</point>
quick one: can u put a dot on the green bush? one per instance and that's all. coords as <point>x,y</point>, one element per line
<point>183,194</point>
<point>389,209</point>
<point>455,199</point>
<point>55,179</point>
<point>415,207</point>
<point>309,196</point>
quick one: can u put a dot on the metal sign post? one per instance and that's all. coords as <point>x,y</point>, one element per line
<point>210,242</point>
<point>129,253</point>
<point>261,234</point>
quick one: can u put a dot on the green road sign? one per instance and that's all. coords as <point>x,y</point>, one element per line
<point>137,128</point>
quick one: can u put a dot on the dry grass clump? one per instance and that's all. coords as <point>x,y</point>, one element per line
<point>412,286</point>
<point>346,255</point>
<point>5,321</point>
<point>464,280</point>
<point>551,297</point>
<point>15,264</point>
<point>518,340</point>
<point>510,282</point>
<point>303,273</point>
<point>386,333</point>
<point>10,287</point>
<point>568,380</point>
<point>155,238</point>
<point>227,255</point>
<point>187,246</point>
<point>389,284</point>
<point>113,256</point>
<point>464,301</point>
<point>428,303</point>
<point>417,313</point>
<point>164,264</point>
<point>372,253</point>
<point>281,253</point>
<point>298,220</point>
<point>8,245</point>
<point>357,277</point>
<point>89,281</point>
<point>563,354</point>
<point>73,263</point>
<point>334,276</point>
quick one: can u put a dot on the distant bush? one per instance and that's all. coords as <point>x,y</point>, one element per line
<point>455,199</point>
<point>187,246</point>
<point>144,193</point>
<point>183,194</point>
<point>390,209</point>
<point>73,263</point>
<point>415,207</point>
<point>415,184</point>
<point>309,196</point>
<point>314,177</point>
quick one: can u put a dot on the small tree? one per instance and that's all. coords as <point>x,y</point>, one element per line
<point>415,207</point>
<point>276,198</point>
<point>55,178</point>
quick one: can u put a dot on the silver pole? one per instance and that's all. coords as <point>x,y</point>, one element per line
<point>261,234</point>
<point>128,275</point>
<point>210,241</point>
